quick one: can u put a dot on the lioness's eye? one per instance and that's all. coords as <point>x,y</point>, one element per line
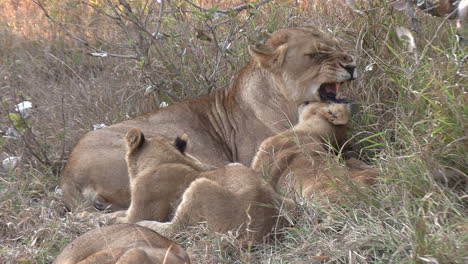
<point>316,54</point>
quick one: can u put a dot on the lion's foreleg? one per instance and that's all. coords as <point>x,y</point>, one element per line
<point>115,217</point>
<point>204,200</point>
<point>118,217</point>
<point>265,162</point>
<point>260,157</point>
<point>183,215</point>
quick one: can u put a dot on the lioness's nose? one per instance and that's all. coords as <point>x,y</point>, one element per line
<point>350,69</point>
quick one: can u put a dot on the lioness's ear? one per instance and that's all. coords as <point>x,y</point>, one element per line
<point>134,138</point>
<point>181,143</point>
<point>267,56</point>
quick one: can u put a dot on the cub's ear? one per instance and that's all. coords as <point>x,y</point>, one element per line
<point>267,56</point>
<point>134,138</point>
<point>181,143</point>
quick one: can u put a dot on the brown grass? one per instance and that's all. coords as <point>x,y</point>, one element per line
<point>410,122</point>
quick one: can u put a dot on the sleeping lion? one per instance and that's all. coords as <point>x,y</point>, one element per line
<point>122,244</point>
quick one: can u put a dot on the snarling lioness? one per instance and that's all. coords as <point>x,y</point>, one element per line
<point>167,184</point>
<point>301,158</point>
<point>294,66</point>
<point>122,244</point>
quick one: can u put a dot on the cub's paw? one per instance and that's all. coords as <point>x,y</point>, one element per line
<point>85,215</point>
<point>111,218</point>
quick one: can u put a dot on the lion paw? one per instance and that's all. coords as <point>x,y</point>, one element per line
<point>164,229</point>
<point>86,215</point>
<point>337,114</point>
<point>110,218</point>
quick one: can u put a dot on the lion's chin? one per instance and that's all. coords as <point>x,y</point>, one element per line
<point>333,92</point>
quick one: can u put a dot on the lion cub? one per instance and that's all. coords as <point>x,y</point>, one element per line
<point>299,156</point>
<point>122,244</point>
<point>167,183</point>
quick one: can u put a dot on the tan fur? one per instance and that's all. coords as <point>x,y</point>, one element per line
<point>166,183</point>
<point>298,157</point>
<point>233,198</point>
<point>122,244</point>
<point>225,126</point>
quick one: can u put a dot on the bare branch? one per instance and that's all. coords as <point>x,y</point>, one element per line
<point>71,35</point>
<point>158,27</point>
<point>122,25</point>
<point>236,9</point>
<point>126,5</point>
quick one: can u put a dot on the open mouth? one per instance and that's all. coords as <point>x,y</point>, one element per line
<point>332,92</point>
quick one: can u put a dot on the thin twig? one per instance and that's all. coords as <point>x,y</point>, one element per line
<point>435,34</point>
<point>64,139</point>
<point>40,155</point>
<point>192,48</point>
<point>70,68</point>
<point>236,9</point>
<point>123,27</point>
<point>71,35</point>
<point>158,26</point>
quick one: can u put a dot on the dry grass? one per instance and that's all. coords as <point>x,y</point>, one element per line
<point>410,122</point>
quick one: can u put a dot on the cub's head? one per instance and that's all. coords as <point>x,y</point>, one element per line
<point>307,65</point>
<point>154,151</point>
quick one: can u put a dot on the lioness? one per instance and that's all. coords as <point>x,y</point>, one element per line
<point>299,156</point>
<point>122,244</point>
<point>294,66</point>
<point>163,177</point>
